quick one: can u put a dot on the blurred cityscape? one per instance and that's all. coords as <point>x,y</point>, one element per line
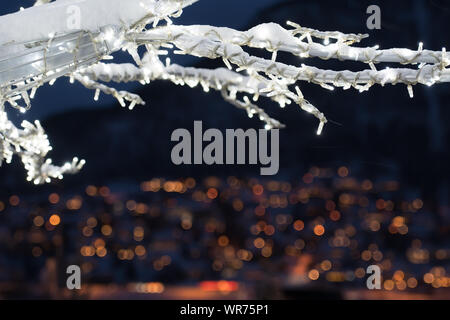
<point>226,238</point>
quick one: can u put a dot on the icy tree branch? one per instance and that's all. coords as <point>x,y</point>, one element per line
<point>32,146</point>
<point>221,79</point>
<point>300,42</point>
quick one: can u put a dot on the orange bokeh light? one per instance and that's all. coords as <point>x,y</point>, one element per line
<point>319,230</point>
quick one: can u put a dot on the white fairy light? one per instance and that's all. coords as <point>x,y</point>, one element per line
<point>410,91</point>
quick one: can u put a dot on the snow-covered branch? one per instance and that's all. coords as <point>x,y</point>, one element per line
<point>121,96</point>
<point>47,48</point>
<point>217,47</point>
<point>300,42</point>
<point>229,83</point>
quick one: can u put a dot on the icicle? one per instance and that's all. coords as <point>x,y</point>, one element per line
<point>132,105</point>
<point>227,63</point>
<point>97,94</point>
<point>410,91</point>
<point>319,130</point>
<point>274,56</point>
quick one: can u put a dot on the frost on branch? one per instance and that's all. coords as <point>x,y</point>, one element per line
<point>32,145</point>
<point>48,50</point>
